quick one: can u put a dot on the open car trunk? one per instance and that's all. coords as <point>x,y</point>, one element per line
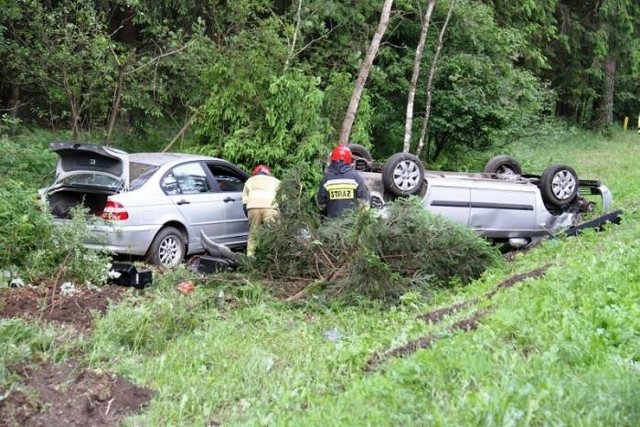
<point>86,175</point>
<point>63,201</point>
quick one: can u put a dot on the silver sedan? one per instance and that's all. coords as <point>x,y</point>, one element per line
<point>150,204</point>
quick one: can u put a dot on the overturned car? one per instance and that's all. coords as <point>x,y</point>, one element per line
<point>501,203</point>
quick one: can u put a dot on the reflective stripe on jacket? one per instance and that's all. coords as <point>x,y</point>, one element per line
<point>341,188</point>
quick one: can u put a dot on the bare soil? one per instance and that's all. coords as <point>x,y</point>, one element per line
<point>68,395</point>
<point>47,303</point>
<point>65,394</point>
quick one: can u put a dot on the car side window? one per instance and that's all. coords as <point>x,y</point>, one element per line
<point>189,178</point>
<point>228,179</point>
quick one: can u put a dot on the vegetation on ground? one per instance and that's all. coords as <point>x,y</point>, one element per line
<point>366,253</point>
<point>559,345</point>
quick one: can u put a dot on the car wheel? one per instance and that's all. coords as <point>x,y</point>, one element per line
<point>559,185</point>
<point>403,174</point>
<point>360,151</point>
<point>167,248</point>
<point>503,165</point>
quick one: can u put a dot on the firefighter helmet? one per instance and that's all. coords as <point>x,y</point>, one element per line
<point>261,169</point>
<point>342,154</point>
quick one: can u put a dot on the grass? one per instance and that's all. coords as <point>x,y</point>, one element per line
<point>562,349</point>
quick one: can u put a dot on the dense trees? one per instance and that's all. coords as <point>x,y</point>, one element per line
<point>272,79</point>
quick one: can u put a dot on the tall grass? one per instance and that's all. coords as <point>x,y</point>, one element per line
<point>561,349</point>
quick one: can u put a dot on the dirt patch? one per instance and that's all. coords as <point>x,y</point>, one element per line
<point>517,278</point>
<point>49,303</point>
<point>465,325</point>
<point>411,347</point>
<point>69,395</point>
<point>436,316</point>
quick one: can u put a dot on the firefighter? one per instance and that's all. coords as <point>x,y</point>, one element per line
<point>259,201</point>
<point>341,187</point>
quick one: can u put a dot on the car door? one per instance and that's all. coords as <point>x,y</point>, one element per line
<point>448,197</point>
<point>502,209</point>
<point>203,207</point>
<point>229,181</point>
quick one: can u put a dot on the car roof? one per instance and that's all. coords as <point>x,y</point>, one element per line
<point>163,158</point>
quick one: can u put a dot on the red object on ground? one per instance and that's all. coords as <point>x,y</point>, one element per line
<point>185,287</point>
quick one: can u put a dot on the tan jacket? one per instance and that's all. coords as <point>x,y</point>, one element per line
<point>260,192</point>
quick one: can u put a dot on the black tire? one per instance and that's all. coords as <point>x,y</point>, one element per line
<point>360,151</point>
<point>503,165</point>
<point>403,174</point>
<point>559,185</point>
<point>167,249</point>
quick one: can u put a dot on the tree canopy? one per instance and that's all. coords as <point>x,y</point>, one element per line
<point>272,80</point>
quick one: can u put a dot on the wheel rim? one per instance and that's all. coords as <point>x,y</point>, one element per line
<point>406,175</point>
<point>563,185</point>
<point>170,251</point>
<point>505,170</point>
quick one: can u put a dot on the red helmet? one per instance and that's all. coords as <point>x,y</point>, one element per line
<point>342,153</point>
<point>261,169</point>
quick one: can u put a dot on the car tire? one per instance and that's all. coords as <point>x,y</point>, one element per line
<point>360,151</point>
<point>559,185</point>
<point>403,174</point>
<point>167,249</point>
<point>503,165</point>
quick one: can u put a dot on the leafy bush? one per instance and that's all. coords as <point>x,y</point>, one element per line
<point>66,256</point>
<point>27,161</point>
<point>23,227</point>
<point>33,247</point>
<point>369,254</point>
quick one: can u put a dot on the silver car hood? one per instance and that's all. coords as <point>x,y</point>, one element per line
<point>81,158</point>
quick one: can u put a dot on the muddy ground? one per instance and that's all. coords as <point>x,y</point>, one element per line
<point>65,394</point>
<point>69,394</point>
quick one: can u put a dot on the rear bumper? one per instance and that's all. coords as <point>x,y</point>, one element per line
<point>130,240</point>
<point>133,240</point>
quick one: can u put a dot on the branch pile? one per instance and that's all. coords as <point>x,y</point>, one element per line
<point>369,253</point>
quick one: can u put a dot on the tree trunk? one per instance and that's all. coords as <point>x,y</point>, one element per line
<point>115,103</point>
<point>347,124</point>
<point>14,103</point>
<point>432,72</point>
<point>408,123</point>
<point>605,112</point>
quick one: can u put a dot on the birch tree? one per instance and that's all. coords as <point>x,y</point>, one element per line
<point>432,72</point>
<point>408,124</point>
<point>363,74</point>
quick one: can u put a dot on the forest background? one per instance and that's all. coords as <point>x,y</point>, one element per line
<point>270,81</point>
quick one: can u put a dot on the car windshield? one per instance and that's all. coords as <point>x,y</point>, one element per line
<point>91,180</point>
<point>139,173</point>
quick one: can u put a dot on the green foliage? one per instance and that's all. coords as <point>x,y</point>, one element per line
<point>30,245</point>
<point>258,111</point>
<point>24,228</point>
<point>64,255</point>
<point>83,73</point>
<point>480,98</point>
<point>29,161</point>
<point>372,255</point>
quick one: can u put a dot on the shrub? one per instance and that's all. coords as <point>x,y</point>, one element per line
<point>28,161</point>
<point>33,247</point>
<point>369,254</point>
<point>23,227</point>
